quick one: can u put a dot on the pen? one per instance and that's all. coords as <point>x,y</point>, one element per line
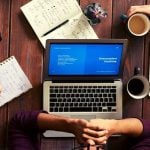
<point>55,27</point>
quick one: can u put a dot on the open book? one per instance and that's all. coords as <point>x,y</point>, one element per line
<point>13,80</point>
<point>57,19</point>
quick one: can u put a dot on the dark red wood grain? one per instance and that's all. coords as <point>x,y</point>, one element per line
<point>4,53</point>
<point>135,53</point>
<point>146,103</point>
<point>25,46</point>
<point>57,144</point>
<point>20,40</point>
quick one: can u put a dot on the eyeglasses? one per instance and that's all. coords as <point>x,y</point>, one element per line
<point>89,147</point>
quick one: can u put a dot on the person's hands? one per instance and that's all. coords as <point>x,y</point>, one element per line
<point>87,133</point>
<point>139,9</point>
<point>107,124</point>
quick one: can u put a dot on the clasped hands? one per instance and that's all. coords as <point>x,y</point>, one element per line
<point>96,131</point>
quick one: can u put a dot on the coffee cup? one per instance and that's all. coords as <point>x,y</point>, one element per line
<point>138,24</point>
<point>138,86</point>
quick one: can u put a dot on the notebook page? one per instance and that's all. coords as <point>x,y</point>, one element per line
<point>44,15</point>
<point>76,28</point>
<point>13,80</point>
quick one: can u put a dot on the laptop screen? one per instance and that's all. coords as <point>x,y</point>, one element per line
<point>85,59</point>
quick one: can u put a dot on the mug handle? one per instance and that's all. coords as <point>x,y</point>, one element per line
<point>137,70</point>
<point>124,18</point>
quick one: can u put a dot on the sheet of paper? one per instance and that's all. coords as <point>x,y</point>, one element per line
<point>13,80</point>
<point>77,28</point>
<point>44,15</point>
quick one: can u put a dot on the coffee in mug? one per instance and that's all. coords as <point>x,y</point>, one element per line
<point>138,87</point>
<point>138,24</point>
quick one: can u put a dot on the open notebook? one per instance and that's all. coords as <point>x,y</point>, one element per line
<point>57,19</point>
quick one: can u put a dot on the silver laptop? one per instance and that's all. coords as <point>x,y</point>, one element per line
<point>82,79</point>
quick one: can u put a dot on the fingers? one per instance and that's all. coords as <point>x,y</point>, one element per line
<point>138,9</point>
<point>81,122</point>
<point>90,142</point>
<point>132,10</point>
<point>90,133</point>
<point>0,88</point>
<point>81,140</point>
<point>94,133</point>
<point>99,140</point>
<point>95,125</point>
<point>92,137</point>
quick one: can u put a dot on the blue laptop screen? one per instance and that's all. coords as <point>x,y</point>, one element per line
<point>85,59</point>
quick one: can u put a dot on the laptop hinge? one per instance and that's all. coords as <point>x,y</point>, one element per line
<point>86,81</point>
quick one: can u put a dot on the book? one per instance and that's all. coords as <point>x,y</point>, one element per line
<point>13,80</point>
<point>57,19</point>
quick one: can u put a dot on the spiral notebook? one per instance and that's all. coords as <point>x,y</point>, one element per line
<point>13,80</point>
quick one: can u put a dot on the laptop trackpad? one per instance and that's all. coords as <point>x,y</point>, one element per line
<point>87,117</point>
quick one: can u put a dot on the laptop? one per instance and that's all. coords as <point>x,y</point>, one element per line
<point>82,79</point>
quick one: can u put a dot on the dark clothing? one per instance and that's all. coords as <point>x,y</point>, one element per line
<point>143,141</point>
<point>23,133</point>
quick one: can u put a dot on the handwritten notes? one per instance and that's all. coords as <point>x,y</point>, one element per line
<point>77,28</point>
<point>13,80</point>
<point>45,15</point>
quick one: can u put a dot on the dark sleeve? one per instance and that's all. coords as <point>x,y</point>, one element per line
<point>23,131</point>
<point>143,141</point>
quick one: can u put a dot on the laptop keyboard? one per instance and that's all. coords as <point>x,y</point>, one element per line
<point>82,98</point>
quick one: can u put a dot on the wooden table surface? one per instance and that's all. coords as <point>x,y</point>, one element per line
<point>18,39</point>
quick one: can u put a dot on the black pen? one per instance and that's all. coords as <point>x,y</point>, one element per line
<point>55,28</point>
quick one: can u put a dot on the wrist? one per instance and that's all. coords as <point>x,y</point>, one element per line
<point>66,124</point>
<point>118,127</point>
<point>71,125</point>
<point>54,122</point>
<point>76,126</point>
<point>130,126</point>
<point>113,127</point>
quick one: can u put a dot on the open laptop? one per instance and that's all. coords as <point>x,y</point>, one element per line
<point>82,79</point>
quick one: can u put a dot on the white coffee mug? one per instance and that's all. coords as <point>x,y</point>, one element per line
<point>138,87</point>
<point>138,24</point>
